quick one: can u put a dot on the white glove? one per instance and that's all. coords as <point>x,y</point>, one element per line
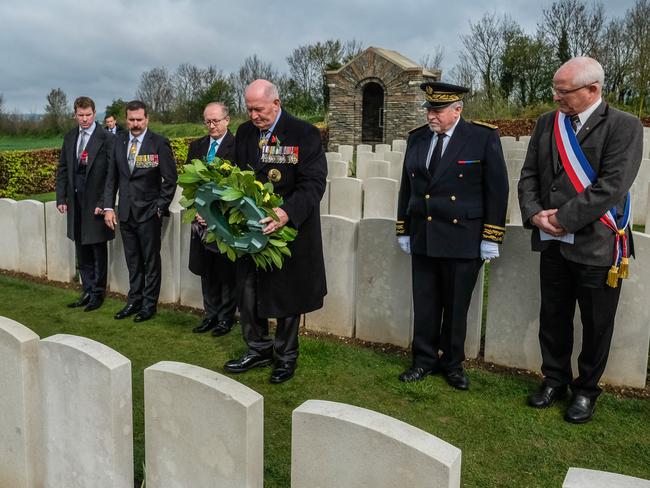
<point>404,243</point>
<point>489,250</point>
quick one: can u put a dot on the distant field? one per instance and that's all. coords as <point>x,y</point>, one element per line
<point>19,143</point>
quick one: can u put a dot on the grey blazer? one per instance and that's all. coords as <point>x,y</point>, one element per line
<point>612,142</point>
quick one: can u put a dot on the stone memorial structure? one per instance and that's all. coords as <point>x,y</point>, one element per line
<point>60,249</point>
<point>380,198</point>
<point>346,197</point>
<point>226,448</point>
<point>190,284</point>
<point>9,235</point>
<point>375,97</point>
<point>30,223</point>
<point>339,445</point>
<point>589,478</point>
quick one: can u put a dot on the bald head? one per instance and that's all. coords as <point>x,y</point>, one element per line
<point>578,84</point>
<point>262,103</point>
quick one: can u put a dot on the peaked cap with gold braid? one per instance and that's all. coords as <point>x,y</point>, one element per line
<point>439,95</point>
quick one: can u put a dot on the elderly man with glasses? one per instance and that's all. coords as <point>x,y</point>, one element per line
<point>217,272</point>
<point>574,194</point>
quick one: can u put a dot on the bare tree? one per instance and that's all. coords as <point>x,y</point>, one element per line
<point>572,26</point>
<point>463,74</point>
<point>351,49</point>
<point>432,60</point>
<point>638,31</point>
<point>252,68</point>
<point>484,46</point>
<point>156,89</point>
<point>617,58</point>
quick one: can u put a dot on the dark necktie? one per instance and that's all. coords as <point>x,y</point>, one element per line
<point>574,122</point>
<point>437,153</point>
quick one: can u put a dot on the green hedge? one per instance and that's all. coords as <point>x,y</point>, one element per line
<point>33,172</point>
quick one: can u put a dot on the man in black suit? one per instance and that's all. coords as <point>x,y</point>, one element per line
<point>287,152</point>
<point>451,216</point>
<point>144,172</point>
<point>86,157</point>
<point>111,125</point>
<point>216,270</point>
<point>576,248</point>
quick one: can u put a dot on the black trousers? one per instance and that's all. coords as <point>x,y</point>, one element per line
<point>92,259</point>
<point>141,242</point>
<point>219,297</point>
<point>563,284</point>
<point>442,293</point>
<point>255,329</point>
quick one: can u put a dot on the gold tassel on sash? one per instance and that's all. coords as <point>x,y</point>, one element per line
<point>623,271</point>
<point>612,277</point>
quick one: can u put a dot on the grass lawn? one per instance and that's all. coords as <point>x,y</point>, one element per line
<point>504,443</point>
<point>21,143</point>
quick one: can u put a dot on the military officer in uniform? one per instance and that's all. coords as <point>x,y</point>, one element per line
<point>451,216</point>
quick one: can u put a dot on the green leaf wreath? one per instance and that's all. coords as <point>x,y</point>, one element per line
<point>232,202</point>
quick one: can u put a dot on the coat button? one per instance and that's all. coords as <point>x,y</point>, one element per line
<point>427,196</point>
<point>412,175</point>
<point>460,175</point>
<point>453,198</point>
<point>429,218</point>
<point>554,188</point>
<point>455,221</point>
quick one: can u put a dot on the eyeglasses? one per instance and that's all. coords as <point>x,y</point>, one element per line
<point>208,123</point>
<point>558,92</point>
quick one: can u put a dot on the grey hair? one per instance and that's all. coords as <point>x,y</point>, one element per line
<point>454,105</point>
<point>589,71</point>
<point>221,105</point>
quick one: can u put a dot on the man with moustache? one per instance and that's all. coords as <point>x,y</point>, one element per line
<point>450,218</point>
<point>574,193</point>
<point>287,152</point>
<point>216,270</point>
<point>86,157</point>
<point>144,172</point>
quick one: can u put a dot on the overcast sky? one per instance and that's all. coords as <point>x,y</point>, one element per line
<point>100,48</point>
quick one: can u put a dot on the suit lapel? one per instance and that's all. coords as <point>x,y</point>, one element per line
<point>592,122</point>
<point>94,143</point>
<point>71,148</point>
<point>226,144</point>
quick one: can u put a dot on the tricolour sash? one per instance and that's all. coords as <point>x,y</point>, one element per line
<point>582,175</point>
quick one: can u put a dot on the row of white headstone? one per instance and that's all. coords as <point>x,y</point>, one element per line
<point>373,190</point>
<point>369,285</point>
<point>67,421</point>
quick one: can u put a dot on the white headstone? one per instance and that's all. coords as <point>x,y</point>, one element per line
<point>363,148</point>
<point>383,287</point>
<point>224,448</point>
<point>399,145</point>
<point>640,193</point>
<point>365,156</point>
<point>589,478</point>
<point>191,294</point>
<point>339,445</point>
<point>515,154</point>
<point>372,168</point>
<point>30,216</point>
<point>475,318</point>
<point>511,337</point>
<point>337,169</point>
<point>380,198</point>
<point>647,213</point>
<point>86,412</point>
<point>396,160</point>
<point>20,466</point>
<point>333,156</point>
<point>514,212</point>
<point>174,205</point>
<point>346,197</point>
<point>170,256</point>
<point>380,149</point>
<point>325,200</point>
<point>514,167</point>
<point>60,249</point>
<point>346,152</point>
<point>340,252</point>
<point>9,235</point>
<point>507,140</point>
<point>118,277</point>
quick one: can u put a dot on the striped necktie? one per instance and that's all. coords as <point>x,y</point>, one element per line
<point>133,151</point>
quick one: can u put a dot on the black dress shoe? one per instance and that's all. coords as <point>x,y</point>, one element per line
<point>248,361</point>
<point>143,315</point>
<point>416,374</point>
<point>283,371</point>
<point>127,311</point>
<point>82,302</point>
<point>546,396</point>
<point>581,409</point>
<point>222,328</point>
<point>93,304</point>
<point>206,325</point>
<point>457,379</point>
